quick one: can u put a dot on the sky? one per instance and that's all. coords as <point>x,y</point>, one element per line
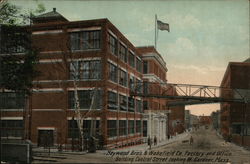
<point>205,35</point>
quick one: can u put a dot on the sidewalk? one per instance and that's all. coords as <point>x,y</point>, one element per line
<point>162,143</point>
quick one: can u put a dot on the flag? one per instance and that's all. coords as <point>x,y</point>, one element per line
<point>163,26</point>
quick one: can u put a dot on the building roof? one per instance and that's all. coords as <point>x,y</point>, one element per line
<point>52,15</point>
<point>147,50</point>
<point>247,60</point>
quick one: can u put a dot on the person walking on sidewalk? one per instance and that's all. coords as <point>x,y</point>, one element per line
<point>191,141</point>
<point>149,142</point>
<point>155,140</point>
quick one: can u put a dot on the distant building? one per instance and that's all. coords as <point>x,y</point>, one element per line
<point>216,119</point>
<point>205,120</point>
<point>235,117</point>
<point>187,119</point>
<point>176,119</point>
<point>194,121</point>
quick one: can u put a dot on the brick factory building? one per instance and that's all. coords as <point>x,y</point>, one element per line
<point>235,117</point>
<point>154,75</point>
<point>95,58</point>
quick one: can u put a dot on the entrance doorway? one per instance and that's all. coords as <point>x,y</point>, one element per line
<point>45,138</point>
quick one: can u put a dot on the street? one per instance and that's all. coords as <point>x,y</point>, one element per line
<point>207,148</point>
<point>207,145</point>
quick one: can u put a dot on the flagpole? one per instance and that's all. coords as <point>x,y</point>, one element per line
<point>155,29</point>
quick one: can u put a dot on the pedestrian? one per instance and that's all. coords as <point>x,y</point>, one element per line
<point>149,142</point>
<point>155,140</point>
<point>191,140</point>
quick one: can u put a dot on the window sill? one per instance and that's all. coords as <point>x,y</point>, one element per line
<point>85,109</point>
<point>112,138</point>
<point>13,53</point>
<point>87,50</point>
<point>85,80</point>
<point>12,110</point>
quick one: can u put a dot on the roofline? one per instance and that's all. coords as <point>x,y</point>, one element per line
<point>229,67</point>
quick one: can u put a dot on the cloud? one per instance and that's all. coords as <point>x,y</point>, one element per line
<point>199,69</point>
<point>179,21</point>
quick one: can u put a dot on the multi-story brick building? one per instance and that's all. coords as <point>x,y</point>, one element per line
<point>154,78</point>
<point>176,120</point>
<point>94,58</point>
<point>235,117</point>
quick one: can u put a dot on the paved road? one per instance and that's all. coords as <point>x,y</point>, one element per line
<point>208,148</point>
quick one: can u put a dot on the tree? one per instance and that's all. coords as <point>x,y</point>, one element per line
<point>16,71</point>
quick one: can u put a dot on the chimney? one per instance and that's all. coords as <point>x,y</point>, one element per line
<point>54,9</point>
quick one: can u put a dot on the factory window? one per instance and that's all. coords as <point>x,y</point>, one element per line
<point>132,83</point>
<point>85,98</point>
<point>11,100</point>
<point>86,70</point>
<point>145,128</point>
<point>131,58</point>
<point>112,129</point>
<point>85,40</point>
<point>122,78</point>
<point>112,100</point>
<point>139,106</point>
<point>145,67</point>
<point>145,87</point>
<point>74,70</point>
<point>113,72</point>
<point>145,105</point>
<point>12,128</point>
<point>131,104</point>
<point>122,127</point>
<point>113,45</point>
<point>131,126</point>
<point>73,130</point>
<point>91,69</point>
<point>139,86</point>
<point>123,102</point>
<point>123,53</point>
<point>138,65</point>
<point>138,126</point>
